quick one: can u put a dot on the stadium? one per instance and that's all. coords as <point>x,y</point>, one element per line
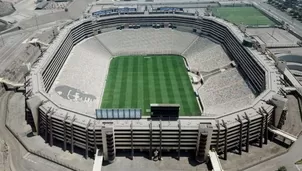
<point>98,83</point>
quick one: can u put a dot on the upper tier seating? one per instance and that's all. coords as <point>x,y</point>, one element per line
<point>146,41</point>
<point>225,92</point>
<point>205,55</point>
<point>86,69</point>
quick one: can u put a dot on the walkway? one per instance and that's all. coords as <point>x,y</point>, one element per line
<point>215,161</point>
<point>288,159</point>
<point>283,134</point>
<point>7,82</point>
<point>98,161</point>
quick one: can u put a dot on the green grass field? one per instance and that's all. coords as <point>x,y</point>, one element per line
<point>137,81</point>
<point>246,15</point>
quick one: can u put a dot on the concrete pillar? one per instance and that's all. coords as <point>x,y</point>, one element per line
<point>71,134</point>
<point>266,126</point>
<point>261,129</point>
<point>160,141</point>
<point>218,134</point>
<point>204,139</point>
<point>266,130</point>
<point>46,128</point>
<point>87,140</point>
<point>280,104</point>
<point>150,136</point>
<point>240,134</point>
<point>50,130</point>
<point>94,137</point>
<point>33,104</point>
<point>27,111</point>
<point>65,139</point>
<point>179,138</point>
<point>132,150</point>
<point>247,140</point>
<point>109,150</point>
<point>225,140</point>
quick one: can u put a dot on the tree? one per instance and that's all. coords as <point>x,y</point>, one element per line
<point>282,168</point>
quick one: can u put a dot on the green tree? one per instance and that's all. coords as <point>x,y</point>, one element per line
<point>282,168</point>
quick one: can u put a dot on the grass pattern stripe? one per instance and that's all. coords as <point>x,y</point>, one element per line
<point>247,15</point>
<point>137,81</point>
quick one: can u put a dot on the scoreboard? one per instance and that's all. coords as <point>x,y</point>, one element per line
<point>164,111</point>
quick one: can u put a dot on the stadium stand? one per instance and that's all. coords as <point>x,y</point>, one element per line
<point>221,90</point>
<point>55,64</point>
<point>205,55</point>
<point>228,131</point>
<point>89,56</point>
<point>169,9</point>
<point>149,41</point>
<point>113,11</point>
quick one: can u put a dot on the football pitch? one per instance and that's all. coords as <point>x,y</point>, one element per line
<point>246,15</point>
<point>137,81</point>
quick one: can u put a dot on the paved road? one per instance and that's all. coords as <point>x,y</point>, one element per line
<point>9,53</point>
<point>287,160</point>
<point>292,125</point>
<point>15,149</point>
<point>75,10</point>
<point>21,159</point>
<point>27,17</point>
<point>295,152</point>
<point>294,24</point>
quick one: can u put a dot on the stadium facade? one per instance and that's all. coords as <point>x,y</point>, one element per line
<point>222,132</point>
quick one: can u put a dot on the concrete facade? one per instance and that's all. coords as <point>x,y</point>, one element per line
<point>223,132</point>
